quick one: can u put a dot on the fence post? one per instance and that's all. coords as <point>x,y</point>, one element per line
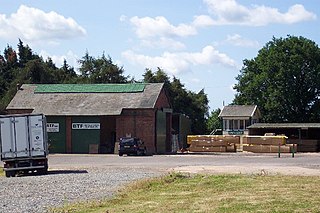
<point>293,150</point>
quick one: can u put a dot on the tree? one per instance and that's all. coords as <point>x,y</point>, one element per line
<point>65,74</point>
<point>283,80</point>
<point>11,61</point>
<point>101,70</point>
<point>86,65</point>
<point>107,72</point>
<point>25,54</point>
<point>213,121</point>
<point>38,73</point>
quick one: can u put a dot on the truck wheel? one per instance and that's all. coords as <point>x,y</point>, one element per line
<point>10,173</point>
<point>144,151</point>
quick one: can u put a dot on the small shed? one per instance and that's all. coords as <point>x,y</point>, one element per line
<point>236,118</point>
<point>90,118</point>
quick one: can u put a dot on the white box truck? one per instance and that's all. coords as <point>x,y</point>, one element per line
<point>24,144</point>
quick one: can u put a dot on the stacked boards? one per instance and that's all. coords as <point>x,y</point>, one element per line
<point>305,145</point>
<point>212,143</point>
<point>267,144</point>
<point>234,143</point>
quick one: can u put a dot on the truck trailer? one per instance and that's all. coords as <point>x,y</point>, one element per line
<point>24,144</point>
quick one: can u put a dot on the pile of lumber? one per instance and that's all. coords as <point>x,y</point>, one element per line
<point>267,144</point>
<point>212,143</point>
<point>305,145</point>
<point>256,144</point>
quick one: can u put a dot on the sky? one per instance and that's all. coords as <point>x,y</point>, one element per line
<point>201,42</point>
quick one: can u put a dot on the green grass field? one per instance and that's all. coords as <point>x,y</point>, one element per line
<point>214,193</point>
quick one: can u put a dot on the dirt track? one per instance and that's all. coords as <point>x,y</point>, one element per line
<point>73,178</point>
<point>227,163</point>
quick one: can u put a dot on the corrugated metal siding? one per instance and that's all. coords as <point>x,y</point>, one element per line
<point>161,132</point>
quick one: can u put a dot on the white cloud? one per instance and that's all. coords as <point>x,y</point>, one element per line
<point>70,57</point>
<point>159,27</point>
<point>163,42</point>
<point>158,32</point>
<point>231,12</point>
<point>203,21</point>
<point>175,63</point>
<point>123,18</point>
<point>32,24</point>
<point>170,62</point>
<point>238,40</point>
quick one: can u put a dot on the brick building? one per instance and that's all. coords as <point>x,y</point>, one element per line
<point>90,118</point>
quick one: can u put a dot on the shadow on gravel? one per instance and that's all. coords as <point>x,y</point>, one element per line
<point>52,172</point>
<point>58,172</point>
<point>132,155</point>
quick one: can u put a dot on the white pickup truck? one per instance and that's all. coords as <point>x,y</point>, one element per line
<point>24,144</point>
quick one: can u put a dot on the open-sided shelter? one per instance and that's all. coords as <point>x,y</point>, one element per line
<point>306,135</point>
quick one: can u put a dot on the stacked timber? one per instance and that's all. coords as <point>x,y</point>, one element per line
<point>267,144</point>
<point>305,145</point>
<point>212,143</point>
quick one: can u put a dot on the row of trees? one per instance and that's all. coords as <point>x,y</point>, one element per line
<point>283,80</point>
<point>24,66</point>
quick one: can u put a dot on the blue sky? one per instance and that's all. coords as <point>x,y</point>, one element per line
<point>201,42</point>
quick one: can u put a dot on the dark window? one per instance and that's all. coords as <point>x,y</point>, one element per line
<point>241,124</point>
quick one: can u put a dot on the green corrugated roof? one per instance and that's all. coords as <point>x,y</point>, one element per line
<point>89,88</point>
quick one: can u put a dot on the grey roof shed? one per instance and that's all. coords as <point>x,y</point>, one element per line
<point>239,111</point>
<point>84,99</point>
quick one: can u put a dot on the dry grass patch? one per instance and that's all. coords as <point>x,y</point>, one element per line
<point>214,193</point>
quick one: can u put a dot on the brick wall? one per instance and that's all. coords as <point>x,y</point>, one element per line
<point>141,123</point>
<point>138,123</point>
<point>163,101</point>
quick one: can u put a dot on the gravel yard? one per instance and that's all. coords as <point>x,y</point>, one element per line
<point>37,193</point>
<point>74,178</point>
